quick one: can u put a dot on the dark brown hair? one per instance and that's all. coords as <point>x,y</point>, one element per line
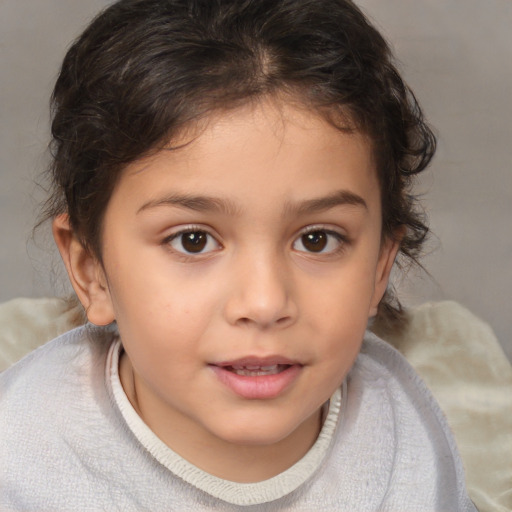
<point>143,70</point>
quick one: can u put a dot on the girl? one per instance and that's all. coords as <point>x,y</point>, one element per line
<point>231,188</point>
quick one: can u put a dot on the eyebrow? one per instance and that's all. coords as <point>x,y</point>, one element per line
<point>196,203</point>
<point>338,198</point>
<point>225,206</point>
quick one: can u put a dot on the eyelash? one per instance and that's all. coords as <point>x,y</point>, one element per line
<point>191,230</point>
<point>340,240</point>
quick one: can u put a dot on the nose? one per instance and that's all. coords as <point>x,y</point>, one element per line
<point>261,293</point>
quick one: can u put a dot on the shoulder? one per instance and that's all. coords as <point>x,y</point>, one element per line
<point>52,405</point>
<point>58,373</point>
<point>423,450</point>
<point>382,369</point>
<point>460,359</point>
<point>55,363</point>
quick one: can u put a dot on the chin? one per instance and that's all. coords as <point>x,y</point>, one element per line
<point>251,441</point>
<point>254,432</point>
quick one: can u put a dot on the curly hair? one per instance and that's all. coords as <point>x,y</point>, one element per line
<point>143,70</point>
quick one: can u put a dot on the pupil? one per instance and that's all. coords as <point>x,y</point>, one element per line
<point>315,241</point>
<point>194,242</point>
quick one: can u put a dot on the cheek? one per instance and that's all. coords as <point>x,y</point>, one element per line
<point>148,282</point>
<point>339,309</point>
<point>169,313</point>
<point>345,293</point>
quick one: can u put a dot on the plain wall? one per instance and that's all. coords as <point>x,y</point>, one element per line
<point>455,54</point>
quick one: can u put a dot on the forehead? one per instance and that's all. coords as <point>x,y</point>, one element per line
<point>266,149</point>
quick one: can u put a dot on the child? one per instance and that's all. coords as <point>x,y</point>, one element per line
<point>231,188</point>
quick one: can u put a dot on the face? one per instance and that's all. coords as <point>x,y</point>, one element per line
<point>241,270</point>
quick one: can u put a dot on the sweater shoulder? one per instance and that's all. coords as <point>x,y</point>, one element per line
<point>424,443</point>
<point>56,375</point>
<point>56,361</point>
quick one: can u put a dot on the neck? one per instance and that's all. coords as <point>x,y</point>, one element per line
<point>237,462</point>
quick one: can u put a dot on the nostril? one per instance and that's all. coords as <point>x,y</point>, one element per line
<point>261,301</point>
<point>281,322</point>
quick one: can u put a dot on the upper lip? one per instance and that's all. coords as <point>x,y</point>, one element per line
<point>259,361</point>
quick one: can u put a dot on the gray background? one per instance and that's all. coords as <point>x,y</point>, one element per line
<point>457,56</point>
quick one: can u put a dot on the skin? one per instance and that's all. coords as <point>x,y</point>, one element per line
<point>265,175</point>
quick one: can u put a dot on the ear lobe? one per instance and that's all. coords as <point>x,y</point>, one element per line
<point>85,273</point>
<point>388,252</point>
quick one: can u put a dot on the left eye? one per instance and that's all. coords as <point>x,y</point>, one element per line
<point>193,242</point>
<point>318,241</point>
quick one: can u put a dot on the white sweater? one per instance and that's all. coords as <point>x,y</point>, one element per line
<point>70,440</point>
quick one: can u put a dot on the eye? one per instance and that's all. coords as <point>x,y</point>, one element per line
<point>193,241</point>
<point>319,241</point>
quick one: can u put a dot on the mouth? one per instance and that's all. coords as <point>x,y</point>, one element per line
<point>255,378</point>
<point>256,370</point>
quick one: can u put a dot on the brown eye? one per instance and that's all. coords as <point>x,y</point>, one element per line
<point>319,241</point>
<point>193,242</point>
<point>315,241</point>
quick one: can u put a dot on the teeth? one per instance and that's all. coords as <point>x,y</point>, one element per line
<point>252,367</point>
<point>255,370</point>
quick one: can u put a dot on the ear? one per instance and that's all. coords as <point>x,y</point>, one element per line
<point>85,273</point>
<point>388,251</point>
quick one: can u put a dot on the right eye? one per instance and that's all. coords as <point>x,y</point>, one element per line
<point>319,241</point>
<point>193,241</point>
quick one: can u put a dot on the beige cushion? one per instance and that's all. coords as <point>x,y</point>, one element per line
<point>26,324</point>
<point>466,369</point>
<point>456,354</point>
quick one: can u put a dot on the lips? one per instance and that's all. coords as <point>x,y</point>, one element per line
<point>258,378</point>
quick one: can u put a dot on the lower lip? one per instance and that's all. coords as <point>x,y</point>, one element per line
<point>260,387</point>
